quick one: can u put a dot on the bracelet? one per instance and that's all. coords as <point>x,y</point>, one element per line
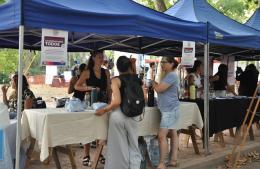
<point>105,109</point>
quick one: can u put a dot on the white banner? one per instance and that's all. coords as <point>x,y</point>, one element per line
<point>188,54</point>
<point>230,62</point>
<point>50,72</point>
<point>54,47</point>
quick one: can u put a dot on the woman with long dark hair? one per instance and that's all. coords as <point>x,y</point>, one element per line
<point>219,81</point>
<point>195,74</point>
<point>248,80</point>
<point>77,94</point>
<point>95,77</point>
<point>11,102</point>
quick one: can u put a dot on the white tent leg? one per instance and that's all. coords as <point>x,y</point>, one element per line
<point>19,99</point>
<point>206,98</point>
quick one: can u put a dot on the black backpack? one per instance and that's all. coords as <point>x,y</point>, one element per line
<point>132,96</point>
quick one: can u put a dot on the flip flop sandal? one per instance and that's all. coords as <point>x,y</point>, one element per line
<point>86,161</point>
<point>102,159</point>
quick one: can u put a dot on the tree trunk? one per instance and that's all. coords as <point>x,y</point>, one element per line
<point>160,5</point>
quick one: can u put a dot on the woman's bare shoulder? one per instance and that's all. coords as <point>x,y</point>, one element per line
<point>116,80</point>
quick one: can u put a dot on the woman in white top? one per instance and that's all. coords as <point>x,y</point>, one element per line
<point>194,77</point>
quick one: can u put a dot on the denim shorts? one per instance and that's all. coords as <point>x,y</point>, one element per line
<point>12,115</point>
<point>169,119</point>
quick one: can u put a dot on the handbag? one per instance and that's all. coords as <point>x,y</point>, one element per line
<point>39,103</point>
<point>60,103</point>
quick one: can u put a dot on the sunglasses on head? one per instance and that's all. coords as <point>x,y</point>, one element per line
<point>164,61</point>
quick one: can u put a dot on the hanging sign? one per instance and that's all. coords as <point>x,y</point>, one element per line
<point>1,144</point>
<point>188,54</point>
<point>54,47</point>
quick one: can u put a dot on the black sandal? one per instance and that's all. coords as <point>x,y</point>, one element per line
<point>102,159</point>
<point>86,161</point>
<point>93,144</point>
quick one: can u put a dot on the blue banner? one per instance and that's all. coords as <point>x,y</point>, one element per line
<point>1,144</point>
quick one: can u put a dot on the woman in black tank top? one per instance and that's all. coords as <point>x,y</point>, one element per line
<point>95,77</point>
<point>77,71</point>
<point>100,83</point>
<point>219,80</point>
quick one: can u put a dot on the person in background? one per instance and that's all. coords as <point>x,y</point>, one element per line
<point>95,77</point>
<point>219,81</point>
<point>169,106</point>
<point>105,64</point>
<point>248,80</point>
<point>122,141</point>
<point>150,74</point>
<point>77,72</point>
<point>11,102</point>
<point>74,70</point>
<point>194,78</point>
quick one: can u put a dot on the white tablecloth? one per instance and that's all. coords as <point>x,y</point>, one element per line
<point>10,147</point>
<point>189,115</point>
<point>53,127</point>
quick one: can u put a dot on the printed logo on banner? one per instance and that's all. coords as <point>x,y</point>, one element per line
<point>219,35</point>
<point>54,41</point>
<point>188,50</point>
<point>1,144</point>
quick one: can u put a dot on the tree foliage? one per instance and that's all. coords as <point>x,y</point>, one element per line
<point>239,10</point>
<point>8,60</point>
<point>2,1</point>
<point>152,3</point>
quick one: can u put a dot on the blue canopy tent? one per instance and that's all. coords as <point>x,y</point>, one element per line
<point>254,21</point>
<point>222,31</point>
<point>100,24</point>
<point>92,24</point>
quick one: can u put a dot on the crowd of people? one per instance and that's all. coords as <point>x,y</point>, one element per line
<point>122,141</point>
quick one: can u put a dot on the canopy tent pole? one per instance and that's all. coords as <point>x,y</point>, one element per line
<point>206,96</point>
<point>19,98</point>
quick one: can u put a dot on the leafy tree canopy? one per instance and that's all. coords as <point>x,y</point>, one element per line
<point>239,10</point>
<point>8,60</point>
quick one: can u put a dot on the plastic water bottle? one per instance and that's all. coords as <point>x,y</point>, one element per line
<point>192,91</point>
<point>87,99</point>
<point>94,96</point>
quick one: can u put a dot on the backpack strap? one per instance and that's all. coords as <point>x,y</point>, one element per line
<point>123,80</point>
